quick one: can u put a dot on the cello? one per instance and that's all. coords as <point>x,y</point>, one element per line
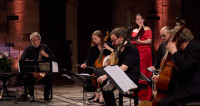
<point>99,60</point>
<point>166,69</point>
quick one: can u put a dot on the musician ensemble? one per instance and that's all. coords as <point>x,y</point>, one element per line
<point>176,70</point>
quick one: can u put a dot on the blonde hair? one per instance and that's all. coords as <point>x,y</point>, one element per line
<point>35,34</point>
<point>99,34</point>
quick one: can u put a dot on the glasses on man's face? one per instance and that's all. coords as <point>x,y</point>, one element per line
<point>113,40</point>
<point>162,35</point>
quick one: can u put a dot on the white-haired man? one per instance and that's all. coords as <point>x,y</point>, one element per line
<point>37,52</point>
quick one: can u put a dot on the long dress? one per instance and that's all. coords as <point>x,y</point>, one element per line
<point>145,61</point>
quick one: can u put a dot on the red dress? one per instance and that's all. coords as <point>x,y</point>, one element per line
<point>145,61</point>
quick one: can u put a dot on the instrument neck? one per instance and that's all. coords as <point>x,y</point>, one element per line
<point>162,64</point>
<point>101,54</point>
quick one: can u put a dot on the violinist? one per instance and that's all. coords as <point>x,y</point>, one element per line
<point>186,57</point>
<point>96,46</point>
<point>35,52</point>
<point>129,62</point>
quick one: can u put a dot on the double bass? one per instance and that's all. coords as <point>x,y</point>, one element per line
<point>166,69</point>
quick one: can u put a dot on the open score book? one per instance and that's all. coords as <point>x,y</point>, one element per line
<point>119,78</point>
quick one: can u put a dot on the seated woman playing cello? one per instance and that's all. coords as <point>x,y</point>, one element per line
<point>97,47</point>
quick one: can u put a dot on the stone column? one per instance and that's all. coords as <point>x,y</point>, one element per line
<point>71,30</point>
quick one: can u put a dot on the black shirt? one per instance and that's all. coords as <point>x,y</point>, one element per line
<point>93,54</point>
<point>130,57</point>
<point>186,75</point>
<point>32,53</point>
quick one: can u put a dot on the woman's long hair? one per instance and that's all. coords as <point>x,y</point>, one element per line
<point>99,34</point>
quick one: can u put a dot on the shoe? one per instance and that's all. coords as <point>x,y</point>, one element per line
<point>108,87</point>
<point>46,98</point>
<point>91,97</point>
<point>32,99</point>
<point>94,101</point>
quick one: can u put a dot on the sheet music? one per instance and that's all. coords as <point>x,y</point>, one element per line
<point>54,66</point>
<point>120,78</point>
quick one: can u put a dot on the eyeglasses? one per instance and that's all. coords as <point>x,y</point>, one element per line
<point>113,40</point>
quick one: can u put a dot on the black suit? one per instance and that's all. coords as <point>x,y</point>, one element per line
<point>32,53</point>
<point>187,82</point>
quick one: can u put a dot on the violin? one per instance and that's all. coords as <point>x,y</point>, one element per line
<point>166,69</point>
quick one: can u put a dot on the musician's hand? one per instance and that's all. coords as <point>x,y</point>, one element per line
<point>105,45</point>
<point>171,47</point>
<point>155,78</point>
<point>152,68</point>
<point>43,53</point>
<point>102,78</point>
<point>83,65</point>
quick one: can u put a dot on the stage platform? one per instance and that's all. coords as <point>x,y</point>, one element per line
<point>63,95</point>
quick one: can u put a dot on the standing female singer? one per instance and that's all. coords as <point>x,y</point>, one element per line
<point>93,54</point>
<point>143,45</point>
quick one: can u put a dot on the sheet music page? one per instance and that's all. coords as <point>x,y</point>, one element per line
<point>54,66</point>
<point>120,77</point>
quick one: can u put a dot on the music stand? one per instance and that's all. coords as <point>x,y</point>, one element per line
<point>80,79</point>
<point>25,67</point>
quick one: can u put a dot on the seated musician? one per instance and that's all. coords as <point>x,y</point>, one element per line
<point>165,35</point>
<point>97,47</point>
<point>129,61</point>
<point>186,57</point>
<point>37,52</point>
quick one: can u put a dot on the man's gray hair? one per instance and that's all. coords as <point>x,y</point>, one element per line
<point>35,34</point>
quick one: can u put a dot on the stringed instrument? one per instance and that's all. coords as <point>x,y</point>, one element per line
<point>113,59</point>
<point>166,69</point>
<point>99,60</point>
<point>1,93</point>
<point>39,76</point>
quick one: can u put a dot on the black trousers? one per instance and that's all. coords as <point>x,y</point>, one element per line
<point>108,96</point>
<point>30,81</point>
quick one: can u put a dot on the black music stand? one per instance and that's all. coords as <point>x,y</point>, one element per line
<point>26,67</point>
<point>80,79</point>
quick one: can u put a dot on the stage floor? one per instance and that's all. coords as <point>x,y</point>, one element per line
<point>63,95</point>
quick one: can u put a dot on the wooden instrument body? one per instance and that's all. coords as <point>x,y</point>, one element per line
<point>113,59</point>
<point>39,76</point>
<point>99,62</point>
<point>163,82</point>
